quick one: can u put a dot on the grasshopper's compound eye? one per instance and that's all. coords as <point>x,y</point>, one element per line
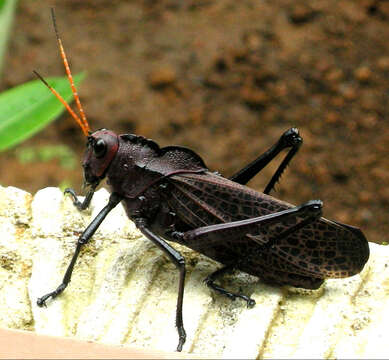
<point>99,148</point>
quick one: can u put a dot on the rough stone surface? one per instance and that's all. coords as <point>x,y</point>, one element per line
<point>123,291</point>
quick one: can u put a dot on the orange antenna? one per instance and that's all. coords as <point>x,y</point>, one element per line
<point>85,126</point>
<point>85,129</point>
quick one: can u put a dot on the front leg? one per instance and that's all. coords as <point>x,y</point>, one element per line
<point>114,199</point>
<point>179,261</point>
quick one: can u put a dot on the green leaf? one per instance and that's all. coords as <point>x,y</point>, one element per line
<point>7,11</point>
<point>30,154</point>
<point>28,108</point>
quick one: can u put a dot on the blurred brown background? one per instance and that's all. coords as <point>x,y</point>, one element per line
<point>225,78</point>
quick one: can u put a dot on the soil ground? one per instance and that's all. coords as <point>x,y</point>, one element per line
<point>225,78</point>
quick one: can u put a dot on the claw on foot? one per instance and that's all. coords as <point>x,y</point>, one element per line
<point>250,303</point>
<point>182,339</point>
<point>41,302</point>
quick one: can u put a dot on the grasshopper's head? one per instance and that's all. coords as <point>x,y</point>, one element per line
<point>102,146</point>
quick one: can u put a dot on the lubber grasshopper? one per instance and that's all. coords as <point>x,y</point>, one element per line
<point>171,195</point>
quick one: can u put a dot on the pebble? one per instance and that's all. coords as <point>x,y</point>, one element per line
<point>162,77</point>
<point>383,63</point>
<point>301,13</point>
<point>363,74</point>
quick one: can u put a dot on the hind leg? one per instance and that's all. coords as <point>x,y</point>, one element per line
<point>258,260</point>
<point>203,236</point>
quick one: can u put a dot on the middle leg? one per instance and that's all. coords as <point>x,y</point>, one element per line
<point>179,261</point>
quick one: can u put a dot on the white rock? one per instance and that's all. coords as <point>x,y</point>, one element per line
<point>124,291</point>
<point>15,258</point>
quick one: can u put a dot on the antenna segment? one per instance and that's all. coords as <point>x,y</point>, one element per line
<point>81,121</point>
<point>68,72</point>
<point>63,101</point>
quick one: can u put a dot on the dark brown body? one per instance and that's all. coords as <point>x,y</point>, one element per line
<point>174,191</point>
<point>171,195</point>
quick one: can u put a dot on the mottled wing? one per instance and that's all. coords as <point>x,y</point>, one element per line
<point>221,200</point>
<point>321,249</point>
